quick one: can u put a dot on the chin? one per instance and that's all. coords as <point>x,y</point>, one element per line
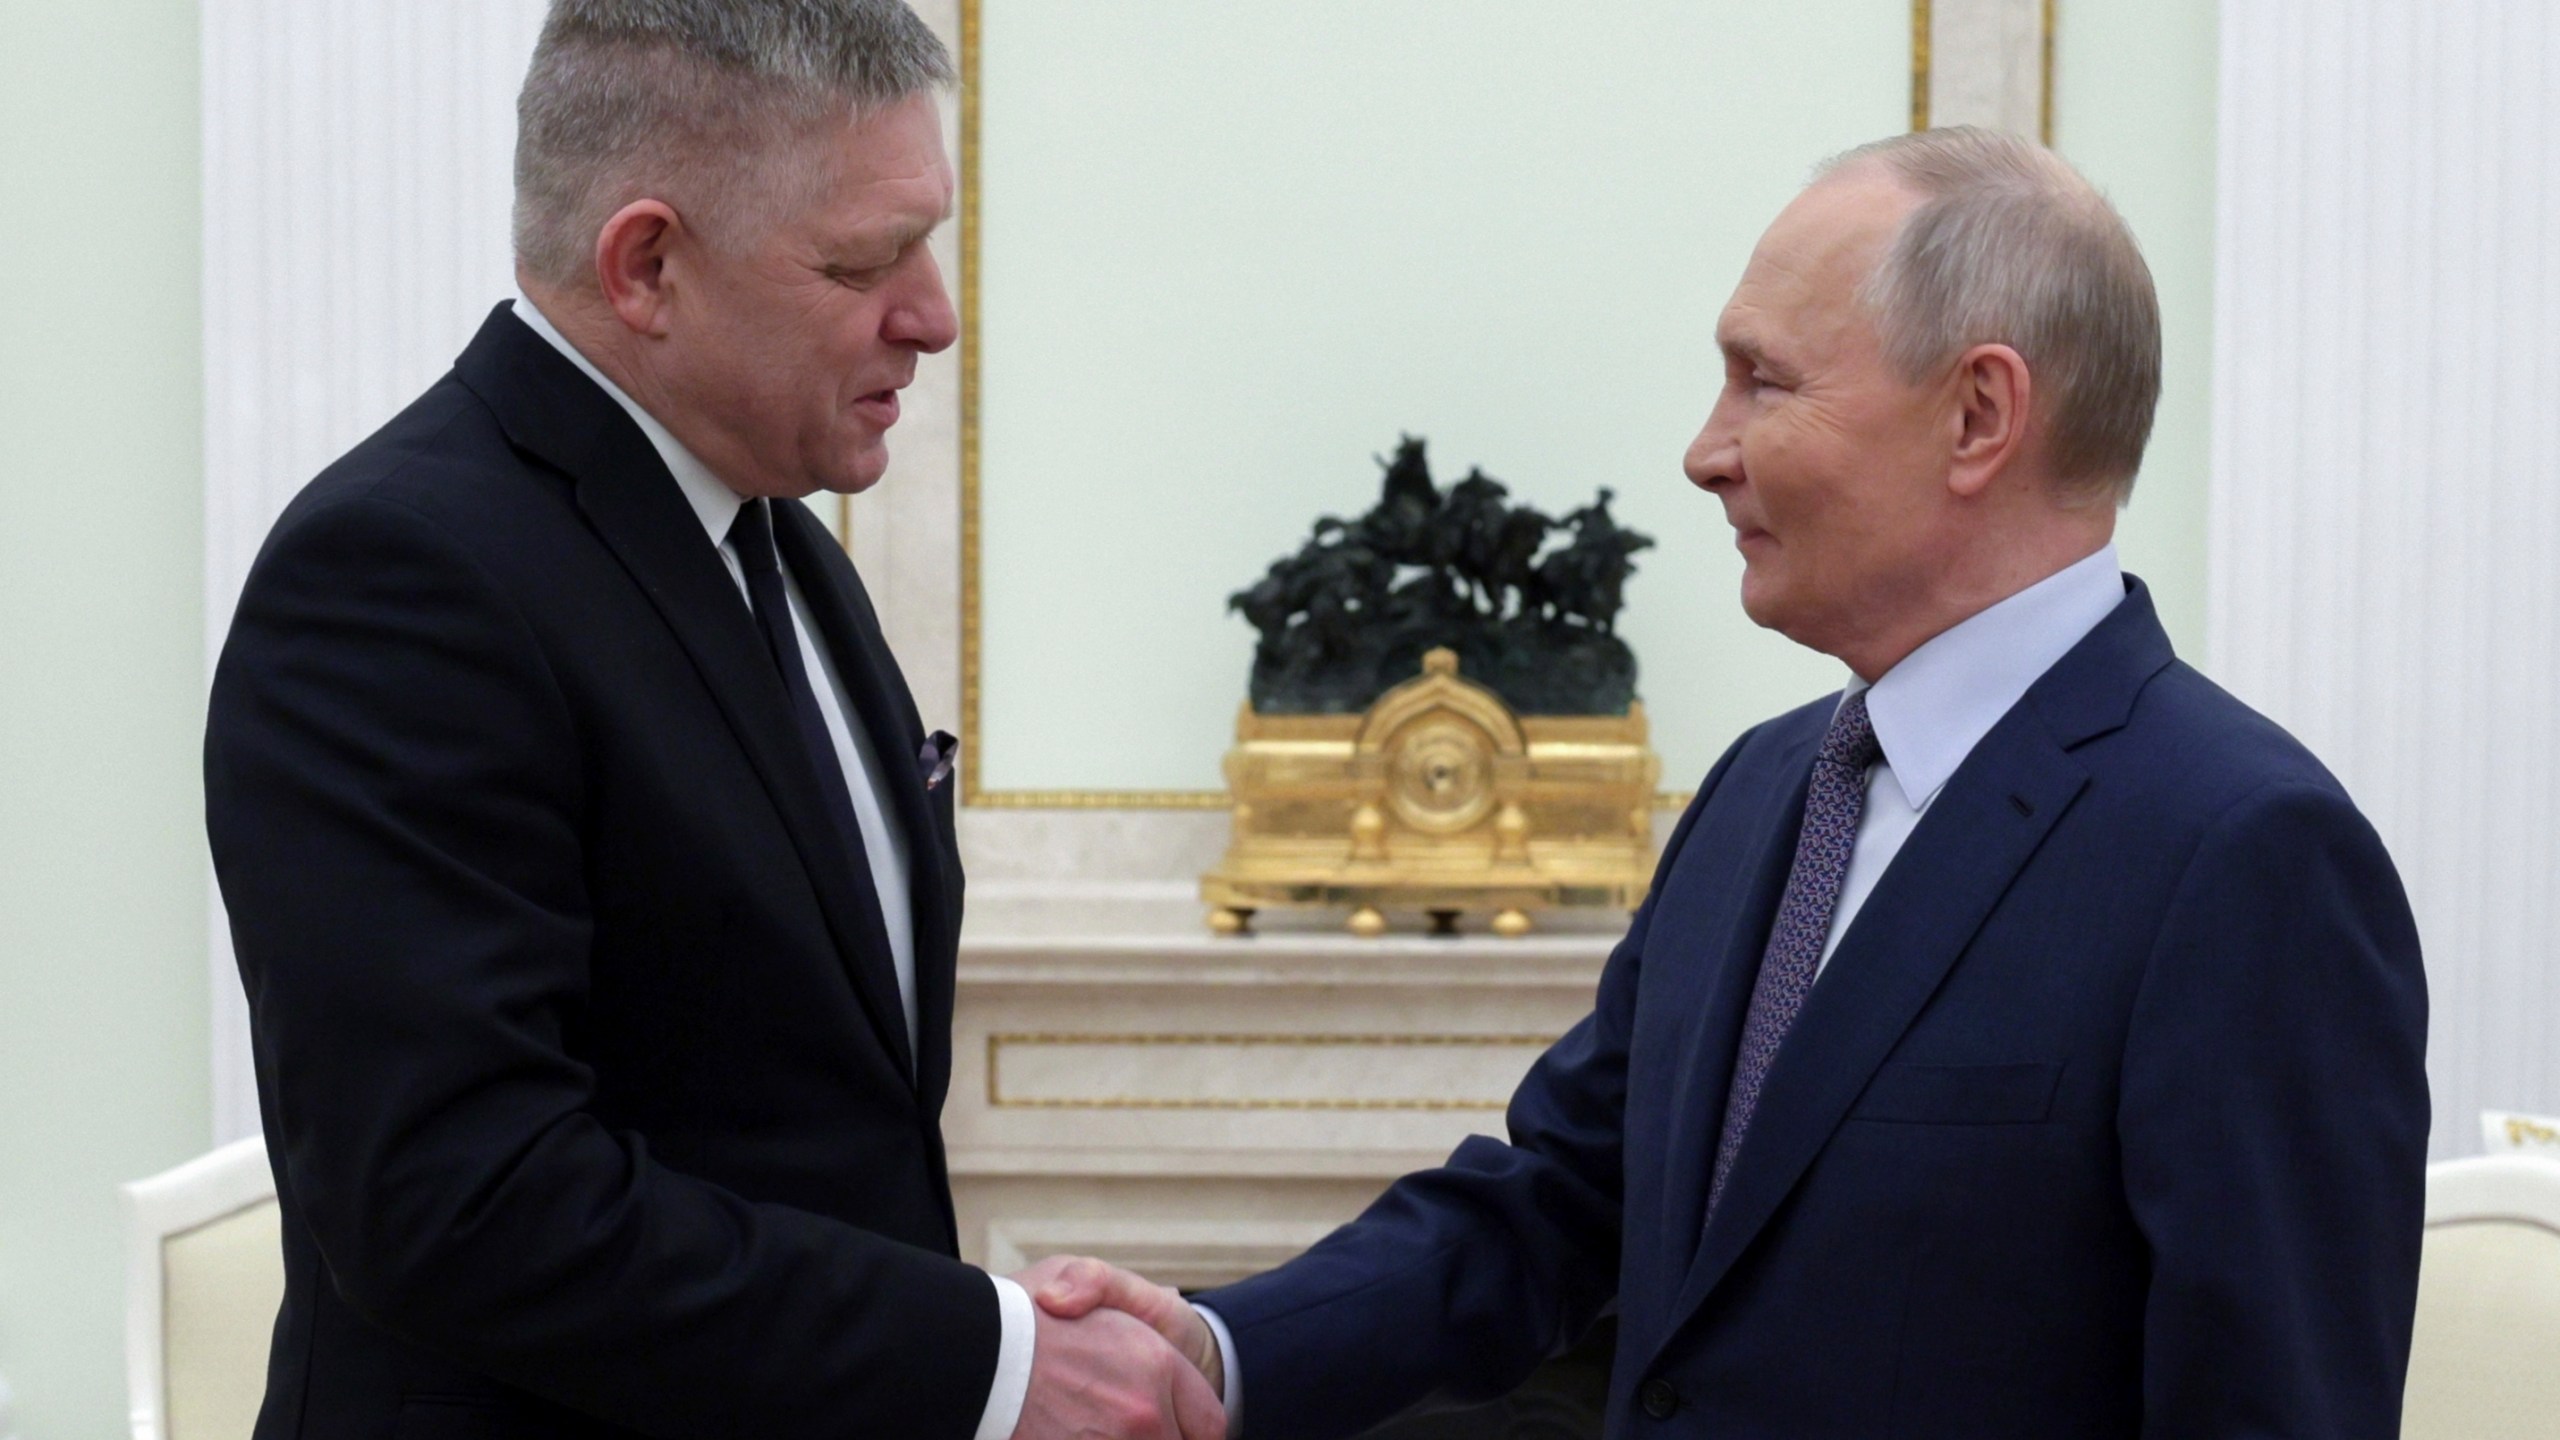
<point>1761,604</point>
<point>857,475</point>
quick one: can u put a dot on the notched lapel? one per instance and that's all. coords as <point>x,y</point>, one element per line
<point>552,411</point>
<point>1967,851</point>
<point>851,633</point>
<point>1962,857</point>
<point>1714,1030</point>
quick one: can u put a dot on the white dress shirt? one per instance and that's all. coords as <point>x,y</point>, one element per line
<point>884,841</point>
<point>1929,712</point>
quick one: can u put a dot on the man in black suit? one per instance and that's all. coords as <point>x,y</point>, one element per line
<point>591,873</point>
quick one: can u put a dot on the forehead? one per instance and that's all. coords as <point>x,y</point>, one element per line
<point>1802,283</point>
<point>889,168</point>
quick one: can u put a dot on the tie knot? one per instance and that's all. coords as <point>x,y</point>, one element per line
<point>751,535</point>
<point>1851,740</point>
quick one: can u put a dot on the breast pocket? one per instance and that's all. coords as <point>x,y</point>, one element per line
<point>1912,1094</point>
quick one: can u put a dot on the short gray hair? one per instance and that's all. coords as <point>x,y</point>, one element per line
<point>700,103</point>
<point>2010,245</point>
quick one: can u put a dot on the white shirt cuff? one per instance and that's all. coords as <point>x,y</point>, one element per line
<point>1013,1362</point>
<point>1227,1363</point>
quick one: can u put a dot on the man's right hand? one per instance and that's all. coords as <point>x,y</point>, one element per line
<point>1107,1376</point>
<point>1071,1286</point>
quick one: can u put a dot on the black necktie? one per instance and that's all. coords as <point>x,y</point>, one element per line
<point>751,535</point>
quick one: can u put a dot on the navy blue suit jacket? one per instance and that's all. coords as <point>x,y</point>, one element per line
<point>587,1084</point>
<point>2107,1118</point>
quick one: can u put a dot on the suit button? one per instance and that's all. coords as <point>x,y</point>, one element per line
<point>1660,1399</point>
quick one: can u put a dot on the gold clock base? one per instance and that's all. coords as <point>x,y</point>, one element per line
<point>1439,799</point>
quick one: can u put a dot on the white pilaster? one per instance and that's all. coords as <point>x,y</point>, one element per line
<point>2385,534</point>
<point>356,195</point>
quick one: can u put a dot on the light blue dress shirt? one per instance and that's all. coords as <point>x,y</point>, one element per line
<point>1931,710</point>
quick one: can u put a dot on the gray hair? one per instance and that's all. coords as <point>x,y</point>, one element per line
<point>2012,246</point>
<point>701,103</point>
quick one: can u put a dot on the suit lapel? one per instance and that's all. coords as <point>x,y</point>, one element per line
<point>1731,967</point>
<point>1949,876</point>
<point>551,410</point>
<point>1938,891</point>
<point>888,716</point>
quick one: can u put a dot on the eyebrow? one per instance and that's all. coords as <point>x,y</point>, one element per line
<point>855,250</point>
<point>1744,346</point>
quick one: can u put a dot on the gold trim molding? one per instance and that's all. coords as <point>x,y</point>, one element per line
<point>1922,61</point>
<point>997,1044</point>
<point>972,401</point>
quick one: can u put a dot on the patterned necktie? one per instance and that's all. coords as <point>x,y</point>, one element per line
<point>1832,805</point>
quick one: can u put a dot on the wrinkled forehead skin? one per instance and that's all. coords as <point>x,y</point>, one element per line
<point>1798,300</point>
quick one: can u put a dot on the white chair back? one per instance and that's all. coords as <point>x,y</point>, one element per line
<point>2483,1363</point>
<point>204,1273</point>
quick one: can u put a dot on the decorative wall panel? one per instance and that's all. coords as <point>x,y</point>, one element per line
<point>356,194</point>
<point>2386,516</point>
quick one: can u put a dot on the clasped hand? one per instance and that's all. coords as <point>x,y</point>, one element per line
<point>1117,1357</point>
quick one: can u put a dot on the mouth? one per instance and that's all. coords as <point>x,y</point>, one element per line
<point>880,407</point>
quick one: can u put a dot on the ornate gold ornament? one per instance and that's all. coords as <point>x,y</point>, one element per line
<point>1439,799</point>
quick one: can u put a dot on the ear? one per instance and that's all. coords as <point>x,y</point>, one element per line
<point>1993,393</point>
<point>631,264</point>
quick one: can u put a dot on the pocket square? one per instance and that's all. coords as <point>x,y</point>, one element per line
<point>941,748</point>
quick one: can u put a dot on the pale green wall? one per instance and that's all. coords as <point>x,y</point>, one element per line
<point>102,872</point>
<point>1227,258</point>
<point>102,986</point>
<point>2135,89</point>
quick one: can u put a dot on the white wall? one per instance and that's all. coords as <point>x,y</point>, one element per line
<point>2386,520</point>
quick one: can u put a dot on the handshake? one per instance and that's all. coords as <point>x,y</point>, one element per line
<point>1116,1355</point>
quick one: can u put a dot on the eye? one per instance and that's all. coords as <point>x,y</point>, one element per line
<point>863,277</point>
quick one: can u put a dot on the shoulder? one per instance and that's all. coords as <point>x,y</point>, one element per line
<point>2201,744</point>
<point>439,476</point>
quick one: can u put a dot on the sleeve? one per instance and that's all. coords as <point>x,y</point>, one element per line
<point>1459,1281</point>
<point>2273,1123</point>
<point>1233,1400</point>
<point>394,796</point>
<point>1013,1361</point>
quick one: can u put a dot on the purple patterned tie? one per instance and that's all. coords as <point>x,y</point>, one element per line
<point>1832,805</point>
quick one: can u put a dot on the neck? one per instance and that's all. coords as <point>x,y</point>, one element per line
<point>1955,593</point>
<point>623,356</point>
<point>585,321</point>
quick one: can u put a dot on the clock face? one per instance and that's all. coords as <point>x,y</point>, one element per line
<point>1441,774</point>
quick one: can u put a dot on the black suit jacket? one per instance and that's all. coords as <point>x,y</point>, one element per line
<point>587,1086</point>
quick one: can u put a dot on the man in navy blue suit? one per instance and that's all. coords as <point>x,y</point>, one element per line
<point>2026,1042</point>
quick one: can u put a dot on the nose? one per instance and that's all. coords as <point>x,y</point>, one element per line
<point>924,317</point>
<point>1715,457</point>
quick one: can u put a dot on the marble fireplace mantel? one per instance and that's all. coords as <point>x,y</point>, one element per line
<point>1197,1108</point>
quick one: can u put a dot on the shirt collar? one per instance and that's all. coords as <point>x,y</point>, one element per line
<point>1933,708</point>
<point>714,504</point>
